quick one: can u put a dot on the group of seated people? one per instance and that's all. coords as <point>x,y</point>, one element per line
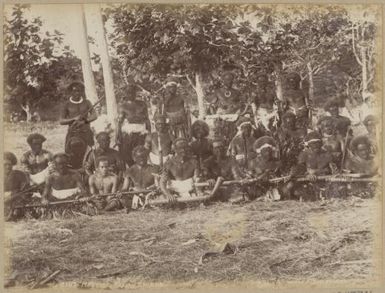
<point>174,164</point>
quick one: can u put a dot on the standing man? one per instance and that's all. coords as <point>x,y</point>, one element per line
<point>266,109</point>
<point>339,122</point>
<point>227,99</point>
<point>133,124</point>
<point>172,105</point>
<point>295,100</point>
<point>37,159</point>
<point>159,143</point>
<point>78,113</point>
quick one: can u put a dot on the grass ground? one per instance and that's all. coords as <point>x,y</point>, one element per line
<point>269,242</point>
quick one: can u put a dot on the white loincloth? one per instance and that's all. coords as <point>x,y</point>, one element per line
<point>133,127</point>
<point>155,159</point>
<point>40,177</point>
<point>264,116</point>
<point>65,193</point>
<point>182,187</point>
<point>240,157</point>
<point>273,194</point>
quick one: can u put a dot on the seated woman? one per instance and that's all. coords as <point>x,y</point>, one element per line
<point>63,183</point>
<point>15,181</point>
<point>36,160</point>
<point>179,172</point>
<point>159,143</point>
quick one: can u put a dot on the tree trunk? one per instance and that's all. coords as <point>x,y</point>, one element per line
<point>278,82</point>
<point>311,82</point>
<point>364,72</point>
<point>88,76</point>
<point>200,95</point>
<point>111,104</point>
<point>28,112</point>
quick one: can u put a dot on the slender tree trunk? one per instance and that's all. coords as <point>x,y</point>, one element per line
<point>27,109</point>
<point>88,76</point>
<point>278,82</point>
<point>311,81</point>
<point>364,72</point>
<point>200,95</point>
<point>107,73</point>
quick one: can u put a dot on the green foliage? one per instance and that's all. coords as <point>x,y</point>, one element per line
<point>37,66</point>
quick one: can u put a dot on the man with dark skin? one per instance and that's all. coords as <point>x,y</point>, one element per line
<point>241,146</point>
<point>133,124</point>
<point>172,104</point>
<point>227,100</point>
<point>264,167</point>
<point>159,142</point>
<point>103,182</point>
<point>341,122</point>
<point>180,172</point>
<point>15,181</point>
<point>332,142</point>
<point>74,115</point>
<point>140,176</point>
<point>201,147</point>
<point>265,102</point>
<point>371,123</point>
<point>64,183</point>
<point>312,162</point>
<point>290,140</point>
<point>116,165</point>
<point>361,161</point>
<point>37,159</point>
<point>295,100</point>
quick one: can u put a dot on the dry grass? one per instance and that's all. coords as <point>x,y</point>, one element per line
<point>285,241</point>
<point>279,241</point>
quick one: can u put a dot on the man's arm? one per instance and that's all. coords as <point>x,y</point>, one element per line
<point>148,141</point>
<point>47,190</point>
<point>163,184</point>
<point>91,185</point>
<point>24,162</point>
<point>114,184</point>
<point>63,116</point>
<point>80,184</point>
<point>92,116</point>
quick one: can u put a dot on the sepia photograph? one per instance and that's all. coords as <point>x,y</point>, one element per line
<point>200,146</point>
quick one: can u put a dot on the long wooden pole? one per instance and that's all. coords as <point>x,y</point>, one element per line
<point>112,108</point>
<point>88,76</point>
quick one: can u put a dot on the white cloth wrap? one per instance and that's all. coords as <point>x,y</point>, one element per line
<point>155,159</point>
<point>65,193</point>
<point>264,116</point>
<point>182,187</point>
<point>273,194</point>
<point>239,157</point>
<point>134,127</point>
<point>40,177</point>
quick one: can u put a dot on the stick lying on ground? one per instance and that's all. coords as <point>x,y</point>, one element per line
<point>220,182</point>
